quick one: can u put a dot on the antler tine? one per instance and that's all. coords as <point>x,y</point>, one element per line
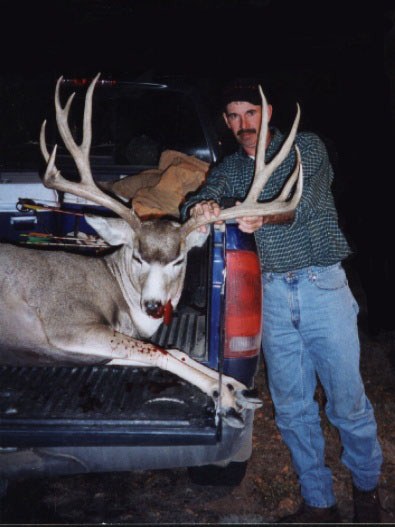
<point>263,171</point>
<point>260,177</point>
<point>43,146</point>
<point>298,172</point>
<point>286,146</point>
<point>86,187</point>
<point>279,209</point>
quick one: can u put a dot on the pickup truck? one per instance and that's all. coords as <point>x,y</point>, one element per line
<point>73,420</point>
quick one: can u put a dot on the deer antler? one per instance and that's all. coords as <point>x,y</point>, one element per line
<point>86,187</point>
<point>279,210</point>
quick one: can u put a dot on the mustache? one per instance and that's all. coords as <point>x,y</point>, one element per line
<point>246,131</point>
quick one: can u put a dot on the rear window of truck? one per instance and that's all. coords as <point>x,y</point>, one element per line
<point>131,124</point>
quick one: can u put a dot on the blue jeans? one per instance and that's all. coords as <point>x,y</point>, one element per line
<point>309,330</point>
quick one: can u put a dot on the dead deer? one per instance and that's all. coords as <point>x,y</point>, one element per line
<point>63,308</point>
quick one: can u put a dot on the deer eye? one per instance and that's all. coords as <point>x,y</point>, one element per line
<point>178,262</point>
<point>137,259</point>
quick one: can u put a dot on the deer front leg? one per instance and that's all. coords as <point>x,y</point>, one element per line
<point>230,398</point>
<point>118,349</point>
<point>245,397</point>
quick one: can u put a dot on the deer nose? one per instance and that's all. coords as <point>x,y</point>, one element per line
<point>154,308</point>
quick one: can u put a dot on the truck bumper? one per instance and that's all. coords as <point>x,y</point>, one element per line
<point>235,444</point>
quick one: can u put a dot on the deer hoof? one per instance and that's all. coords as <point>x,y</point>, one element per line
<point>248,399</point>
<point>232,418</point>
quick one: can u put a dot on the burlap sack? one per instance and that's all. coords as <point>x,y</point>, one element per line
<point>160,192</point>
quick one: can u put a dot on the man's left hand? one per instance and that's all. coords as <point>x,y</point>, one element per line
<point>249,224</point>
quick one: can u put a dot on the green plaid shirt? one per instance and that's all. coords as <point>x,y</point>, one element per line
<point>314,237</point>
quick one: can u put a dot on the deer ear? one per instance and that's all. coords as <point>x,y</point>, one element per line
<point>114,231</point>
<point>196,238</point>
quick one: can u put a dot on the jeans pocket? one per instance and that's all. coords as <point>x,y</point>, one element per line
<point>331,279</point>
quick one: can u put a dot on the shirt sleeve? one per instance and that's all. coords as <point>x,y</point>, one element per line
<point>215,186</point>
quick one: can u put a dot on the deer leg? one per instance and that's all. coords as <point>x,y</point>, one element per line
<point>245,397</point>
<point>230,397</point>
<point>119,349</point>
<point>229,401</point>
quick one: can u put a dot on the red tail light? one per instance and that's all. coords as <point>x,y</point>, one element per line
<point>243,303</point>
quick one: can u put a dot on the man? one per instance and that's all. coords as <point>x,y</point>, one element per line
<point>309,313</point>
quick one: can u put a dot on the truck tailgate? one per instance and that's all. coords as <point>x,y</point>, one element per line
<point>101,405</point>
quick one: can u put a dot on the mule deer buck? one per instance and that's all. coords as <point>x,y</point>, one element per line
<point>63,308</point>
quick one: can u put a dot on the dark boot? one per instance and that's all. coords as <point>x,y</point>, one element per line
<point>367,507</point>
<point>307,514</point>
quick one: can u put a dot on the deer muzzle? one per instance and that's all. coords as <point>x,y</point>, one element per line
<point>154,308</point>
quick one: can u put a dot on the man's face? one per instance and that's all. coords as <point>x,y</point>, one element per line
<point>244,120</point>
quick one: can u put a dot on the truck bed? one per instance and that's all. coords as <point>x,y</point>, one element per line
<point>100,405</point>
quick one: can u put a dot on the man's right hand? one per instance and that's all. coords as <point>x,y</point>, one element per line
<point>208,209</point>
